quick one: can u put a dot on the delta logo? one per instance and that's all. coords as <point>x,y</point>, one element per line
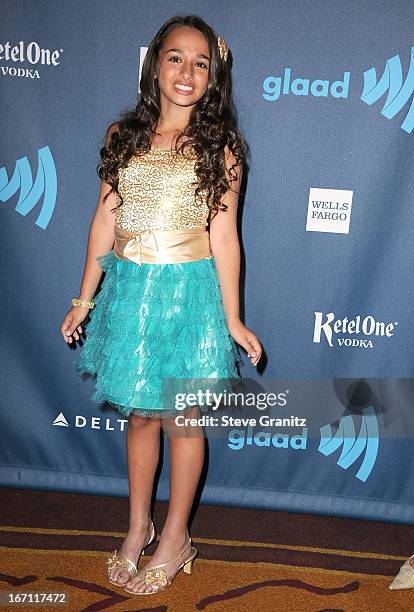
<point>93,423</point>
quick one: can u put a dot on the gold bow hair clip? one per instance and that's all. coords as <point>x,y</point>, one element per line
<point>223,48</point>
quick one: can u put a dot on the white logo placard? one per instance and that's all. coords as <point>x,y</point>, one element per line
<point>329,210</point>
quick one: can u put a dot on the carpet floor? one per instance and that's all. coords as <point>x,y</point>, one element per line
<point>248,559</point>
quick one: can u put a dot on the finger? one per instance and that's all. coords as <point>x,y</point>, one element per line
<point>76,335</point>
<point>65,325</point>
<point>68,333</point>
<point>247,348</point>
<point>256,353</point>
<point>65,333</point>
<point>254,343</point>
<point>256,346</point>
<point>251,349</point>
<point>254,357</point>
<point>79,328</point>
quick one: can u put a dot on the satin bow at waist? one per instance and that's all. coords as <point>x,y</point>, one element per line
<point>162,246</point>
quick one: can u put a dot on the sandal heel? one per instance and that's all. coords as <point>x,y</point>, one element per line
<point>188,567</point>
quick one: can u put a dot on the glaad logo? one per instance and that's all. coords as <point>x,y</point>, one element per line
<point>367,442</point>
<point>368,327</point>
<point>95,423</point>
<point>399,92</point>
<point>238,438</point>
<point>391,81</point>
<point>30,193</point>
<point>31,53</point>
<point>272,87</point>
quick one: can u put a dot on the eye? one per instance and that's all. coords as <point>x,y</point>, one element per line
<point>173,59</point>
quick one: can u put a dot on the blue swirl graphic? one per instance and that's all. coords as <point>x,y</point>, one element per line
<point>30,193</point>
<point>352,449</point>
<point>398,92</point>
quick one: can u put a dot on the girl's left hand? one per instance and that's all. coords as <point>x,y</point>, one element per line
<point>247,339</point>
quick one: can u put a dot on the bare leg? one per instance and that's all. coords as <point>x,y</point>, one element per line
<point>143,448</point>
<point>186,462</point>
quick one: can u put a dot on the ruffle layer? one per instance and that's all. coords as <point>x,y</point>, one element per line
<point>151,323</point>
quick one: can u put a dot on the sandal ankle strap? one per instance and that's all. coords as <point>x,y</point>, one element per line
<point>171,560</point>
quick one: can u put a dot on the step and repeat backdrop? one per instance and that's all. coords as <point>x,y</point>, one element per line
<point>324,94</point>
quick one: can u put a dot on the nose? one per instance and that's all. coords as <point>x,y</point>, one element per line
<point>187,71</point>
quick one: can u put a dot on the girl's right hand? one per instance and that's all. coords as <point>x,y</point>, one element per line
<point>71,324</point>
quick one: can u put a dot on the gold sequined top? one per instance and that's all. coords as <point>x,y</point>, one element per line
<point>158,193</point>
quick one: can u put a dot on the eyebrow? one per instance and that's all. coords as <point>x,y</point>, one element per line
<point>198,54</point>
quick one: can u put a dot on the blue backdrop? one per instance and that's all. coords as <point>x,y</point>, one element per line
<point>324,94</point>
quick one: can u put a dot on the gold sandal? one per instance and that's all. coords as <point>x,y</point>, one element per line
<point>158,578</point>
<point>114,561</point>
<point>405,577</point>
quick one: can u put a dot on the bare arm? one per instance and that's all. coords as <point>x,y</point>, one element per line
<point>101,237</point>
<point>100,241</point>
<point>225,247</point>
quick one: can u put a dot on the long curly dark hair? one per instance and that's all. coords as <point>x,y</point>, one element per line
<point>212,125</point>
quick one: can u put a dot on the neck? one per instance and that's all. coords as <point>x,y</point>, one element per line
<point>172,118</point>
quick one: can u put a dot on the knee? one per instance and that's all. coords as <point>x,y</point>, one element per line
<point>136,423</point>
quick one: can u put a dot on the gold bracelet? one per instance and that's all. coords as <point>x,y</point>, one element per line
<point>83,303</point>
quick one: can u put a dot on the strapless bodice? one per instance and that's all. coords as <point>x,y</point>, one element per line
<point>158,193</point>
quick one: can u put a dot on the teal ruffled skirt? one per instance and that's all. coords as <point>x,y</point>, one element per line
<point>152,323</point>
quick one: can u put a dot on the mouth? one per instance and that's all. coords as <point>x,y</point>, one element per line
<point>183,88</point>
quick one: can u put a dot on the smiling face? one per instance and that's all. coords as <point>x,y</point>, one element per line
<point>183,66</point>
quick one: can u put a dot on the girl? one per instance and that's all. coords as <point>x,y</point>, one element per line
<point>168,306</point>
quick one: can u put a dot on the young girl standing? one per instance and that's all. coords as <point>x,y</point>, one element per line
<point>169,303</point>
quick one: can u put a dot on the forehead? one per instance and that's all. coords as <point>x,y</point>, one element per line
<point>187,39</point>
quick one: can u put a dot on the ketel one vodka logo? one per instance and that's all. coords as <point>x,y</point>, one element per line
<point>31,192</point>
<point>22,60</point>
<point>357,332</point>
<point>365,445</point>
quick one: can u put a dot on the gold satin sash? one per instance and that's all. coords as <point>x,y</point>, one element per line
<point>162,246</point>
